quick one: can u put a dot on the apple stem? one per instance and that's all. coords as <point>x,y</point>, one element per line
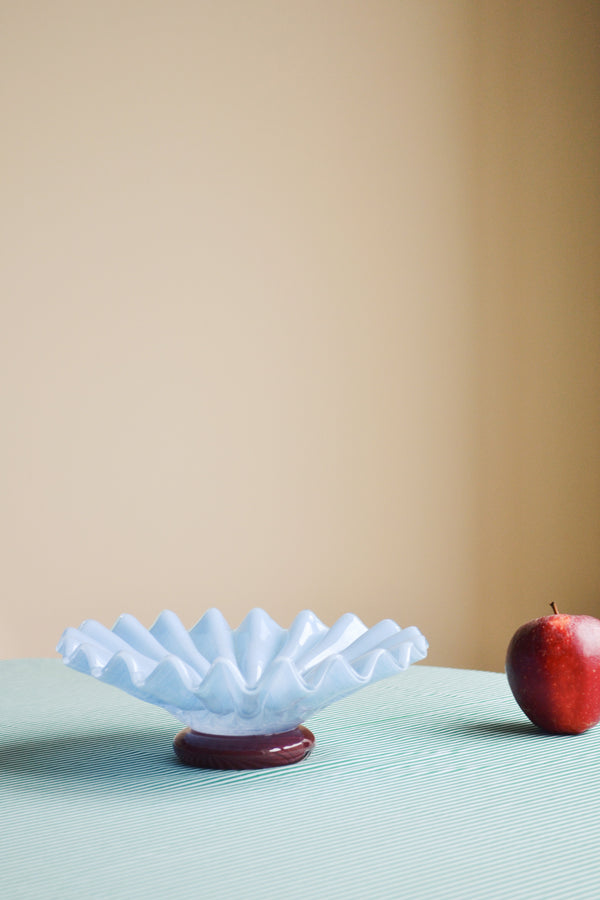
<point>555,608</point>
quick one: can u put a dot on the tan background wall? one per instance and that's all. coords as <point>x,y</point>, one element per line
<point>300,309</point>
<point>538,258</point>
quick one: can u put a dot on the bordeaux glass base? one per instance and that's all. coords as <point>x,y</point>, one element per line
<point>214,751</point>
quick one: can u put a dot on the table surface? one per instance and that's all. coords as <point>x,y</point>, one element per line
<point>430,784</point>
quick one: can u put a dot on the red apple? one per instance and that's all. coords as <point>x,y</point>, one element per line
<point>553,669</point>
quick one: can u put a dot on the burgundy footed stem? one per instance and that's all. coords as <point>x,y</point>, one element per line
<point>213,751</point>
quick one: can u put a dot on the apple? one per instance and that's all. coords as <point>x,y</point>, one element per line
<point>553,669</point>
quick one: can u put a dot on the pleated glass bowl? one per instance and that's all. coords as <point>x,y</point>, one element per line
<point>243,693</point>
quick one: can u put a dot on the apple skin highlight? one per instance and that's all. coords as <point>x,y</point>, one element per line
<point>553,669</point>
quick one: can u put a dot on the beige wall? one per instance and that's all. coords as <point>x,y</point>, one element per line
<point>299,309</point>
<point>538,257</point>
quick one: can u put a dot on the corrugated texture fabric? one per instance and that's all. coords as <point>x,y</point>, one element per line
<point>430,784</point>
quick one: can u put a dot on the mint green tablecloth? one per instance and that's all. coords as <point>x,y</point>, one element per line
<point>428,785</point>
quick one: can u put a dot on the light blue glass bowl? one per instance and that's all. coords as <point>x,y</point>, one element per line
<point>257,679</point>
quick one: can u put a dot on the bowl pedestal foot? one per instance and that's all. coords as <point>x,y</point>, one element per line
<point>255,751</point>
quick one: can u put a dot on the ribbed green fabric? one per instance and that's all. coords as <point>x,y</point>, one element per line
<point>428,785</point>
